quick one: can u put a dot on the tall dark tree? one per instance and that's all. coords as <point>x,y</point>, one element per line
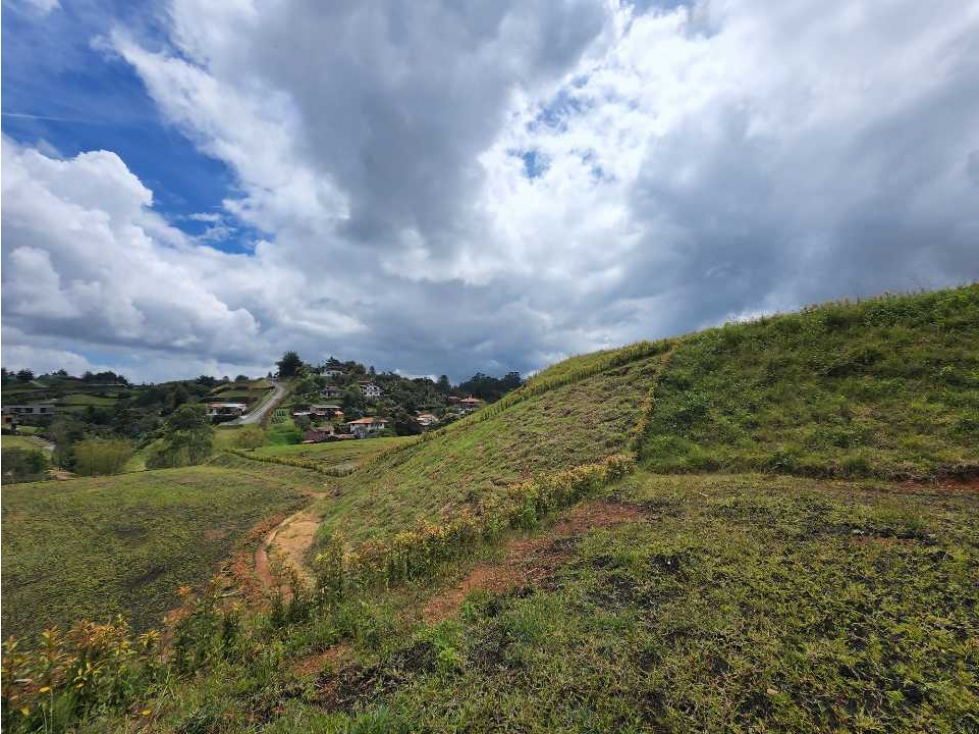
<point>289,364</point>
<point>25,375</point>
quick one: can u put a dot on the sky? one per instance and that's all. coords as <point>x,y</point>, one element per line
<point>191,187</point>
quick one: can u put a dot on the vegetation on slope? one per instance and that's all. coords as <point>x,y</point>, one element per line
<point>888,387</point>
<point>571,425</point>
<point>729,604</point>
<point>720,603</point>
<point>94,548</point>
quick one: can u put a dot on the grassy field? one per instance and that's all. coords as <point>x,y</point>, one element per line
<point>888,387</point>
<point>575,424</point>
<point>725,604</point>
<point>23,442</point>
<point>92,548</point>
<point>338,454</point>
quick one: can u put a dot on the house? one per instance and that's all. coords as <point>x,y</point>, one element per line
<point>33,410</point>
<point>469,404</point>
<point>426,420</point>
<point>226,410</point>
<point>331,391</point>
<point>9,422</point>
<point>334,373</point>
<point>326,411</point>
<point>370,390</point>
<point>318,435</point>
<point>364,427</point>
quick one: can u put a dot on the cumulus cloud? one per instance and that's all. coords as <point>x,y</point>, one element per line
<point>460,187</point>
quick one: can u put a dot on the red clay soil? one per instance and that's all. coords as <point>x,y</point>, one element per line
<point>531,560</point>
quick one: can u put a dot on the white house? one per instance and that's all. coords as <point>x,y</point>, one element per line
<point>426,419</point>
<point>38,409</point>
<point>226,410</point>
<point>370,390</point>
<point>333,373</point>
<point>365,427</point>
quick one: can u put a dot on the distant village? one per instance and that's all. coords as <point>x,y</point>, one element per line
<point>338,401</point>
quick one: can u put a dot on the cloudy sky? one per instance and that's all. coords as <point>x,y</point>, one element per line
<point>430,187</point>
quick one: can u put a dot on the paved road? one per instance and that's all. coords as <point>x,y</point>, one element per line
<point>249,419</point>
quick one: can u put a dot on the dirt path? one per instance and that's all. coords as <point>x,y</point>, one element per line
<point>531,560</point>
<point>289,540</point>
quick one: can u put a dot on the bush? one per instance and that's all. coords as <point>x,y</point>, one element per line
<point>23,465</point>
<point>97,456</point>
<point>250,437</point>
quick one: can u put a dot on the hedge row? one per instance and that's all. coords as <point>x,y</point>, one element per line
<point>419,551</point>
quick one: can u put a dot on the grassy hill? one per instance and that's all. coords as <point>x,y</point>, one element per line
<point>768,568</point>
<point>96,547</point>
<point>887,387</point>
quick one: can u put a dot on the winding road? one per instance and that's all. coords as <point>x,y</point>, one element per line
<point>256,416</point>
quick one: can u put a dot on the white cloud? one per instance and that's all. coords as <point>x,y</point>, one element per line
<point>687,163</point>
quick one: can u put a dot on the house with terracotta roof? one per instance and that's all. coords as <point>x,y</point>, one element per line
<point>365,427</point>
<point>425,420</point>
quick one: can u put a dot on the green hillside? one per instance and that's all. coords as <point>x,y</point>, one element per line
<point>888,387</point>
<point>768,568</point>
<point>96,547</point>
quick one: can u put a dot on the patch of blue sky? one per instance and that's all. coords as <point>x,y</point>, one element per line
<point>65,96</point>
<point>535,163</point>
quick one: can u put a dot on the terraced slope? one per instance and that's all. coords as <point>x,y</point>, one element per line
<point>574,424</point>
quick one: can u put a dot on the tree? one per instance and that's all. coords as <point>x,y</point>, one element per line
<point>250,438</point>
<point>64,433</point>
<point>23,465</point>
<point>188,438</point>
<point>25,375</point>
<point>241,378</point>
<point>289,364</point>
<point>443,385</point>
<point>98,456</point>
<point>403,423</point>
<point>353,402</point>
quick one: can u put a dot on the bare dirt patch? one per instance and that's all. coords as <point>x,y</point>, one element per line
<point>532,560</point>
<point>288,542</point>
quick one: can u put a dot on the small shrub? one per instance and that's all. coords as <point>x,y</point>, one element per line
<point>97,456</point>
<point>250,438</point>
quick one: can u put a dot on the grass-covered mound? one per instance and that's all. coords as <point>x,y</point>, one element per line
<point>574,424</point>
<point>888,387</point>
<point>94,548</point>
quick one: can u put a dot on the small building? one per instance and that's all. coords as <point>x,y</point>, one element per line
<point>9,422</point>
<point>370,390</point>
<point>326,411</point>
<point>318,435</point>
<point>470,404</point>
<point>426,420</point>
<point>365,427</point>
<point>226,410</point>
<point>39,409</point>
<point>334,373</point>
<point>331,391</point>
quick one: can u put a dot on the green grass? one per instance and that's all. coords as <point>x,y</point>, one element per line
<point>887,387</point>
<point>83,400</point>
<point>23,442</point>
<point>735,604</point>
<point>337,454</point>
<point>93,548</point>
<point>575,424</point>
